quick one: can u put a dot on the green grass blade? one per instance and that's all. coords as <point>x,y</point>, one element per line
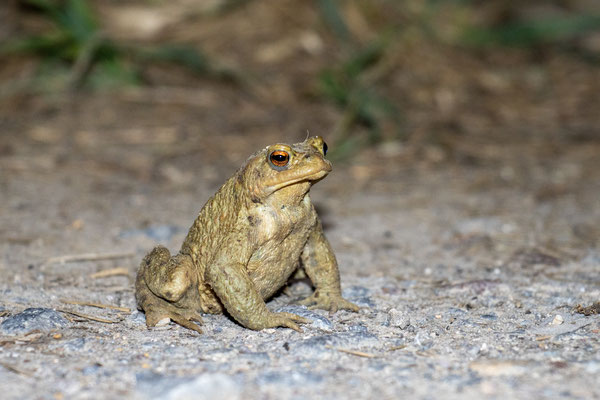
<point>330,12</point>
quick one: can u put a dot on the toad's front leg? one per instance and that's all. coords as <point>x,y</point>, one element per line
<point>322,269</point>
<point>227,276</point>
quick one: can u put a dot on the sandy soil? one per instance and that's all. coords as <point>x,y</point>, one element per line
<point>467,281</point>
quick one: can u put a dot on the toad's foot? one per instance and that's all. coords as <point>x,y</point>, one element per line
<point>328,301</point>
<point>159,316</point>
<point>284,319</point>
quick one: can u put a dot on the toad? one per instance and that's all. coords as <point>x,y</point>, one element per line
<point>249,238</point>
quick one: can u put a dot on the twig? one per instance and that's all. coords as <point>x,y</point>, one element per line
<point>90,317</point>
<point>15,369</point>
<point>30,337</point>
<point>110,272</point>
<point>98,305</point>
<point>19,240</point>
<point>353,352</point>
<point>86,257</point>
<point>394,348</point>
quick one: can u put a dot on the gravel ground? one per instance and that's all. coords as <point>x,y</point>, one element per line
<point>466,291</point>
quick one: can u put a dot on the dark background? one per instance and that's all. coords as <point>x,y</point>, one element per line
<point>426,82</point>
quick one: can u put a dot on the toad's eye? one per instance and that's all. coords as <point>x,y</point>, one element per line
<point>324,148</point>
<point>279,158</point>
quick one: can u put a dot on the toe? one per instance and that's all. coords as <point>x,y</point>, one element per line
<point>350,306</point>
<point>194,316</point>
<point>295,318</point>
<point>292,325</point>
<point>181,320</point>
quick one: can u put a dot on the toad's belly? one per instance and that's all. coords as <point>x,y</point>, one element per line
<point>272,264</point>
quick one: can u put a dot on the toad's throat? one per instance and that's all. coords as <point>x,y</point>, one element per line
<point>291,177</point>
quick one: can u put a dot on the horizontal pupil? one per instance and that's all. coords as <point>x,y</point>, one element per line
<point>279,157</point>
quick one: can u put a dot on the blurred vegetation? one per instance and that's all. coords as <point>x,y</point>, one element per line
<point>75,52</point>
<point>474,25</point>
<point>352,85</point>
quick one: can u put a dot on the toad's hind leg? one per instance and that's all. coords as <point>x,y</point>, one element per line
<point>164,289</point>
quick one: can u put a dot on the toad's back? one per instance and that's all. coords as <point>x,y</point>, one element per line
<point>218,216</point>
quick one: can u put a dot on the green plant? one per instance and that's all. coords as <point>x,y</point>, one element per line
<point>534,32</point>
<point>355,86</point>
<point>75,52</point>
<point>74,47</point>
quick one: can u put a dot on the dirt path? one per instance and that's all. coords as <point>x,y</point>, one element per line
<point>467,281</point>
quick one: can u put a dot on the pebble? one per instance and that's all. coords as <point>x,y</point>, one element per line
<point>423,340</point>
<point>210,386</point>
<point>76,344</point>
<point>398,319</point>
<point>136,318</point>
<point>491,368</point>
<point>358,328</point>
<point>41,319</point>
<point>359,296</point>
<point>289,378</point>
<point>558,319</point>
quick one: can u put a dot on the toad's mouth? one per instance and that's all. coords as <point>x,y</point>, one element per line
<point>292,177</point>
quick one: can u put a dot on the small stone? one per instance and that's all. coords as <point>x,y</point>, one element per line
<point>483,349</point>
<point>398,319</point>
<point>358,328</point>
<point>424,341</point>
<point>359,295</point>
<point>74,345</point>
<point>91,369</point>
<point>213,386</point>
<point>42,319</point>
<point>492,368</point>
<point>136,318</point>
<point>558,320</point>
<point>292,378</point>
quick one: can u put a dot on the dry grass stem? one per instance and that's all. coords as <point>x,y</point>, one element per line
<point>15,369</point>
<point>110,272</point>
<point>97,305</point>
<point>87,257</point>
<point>86,316</point>
<point>353,352</point>
<point>394,348</point>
